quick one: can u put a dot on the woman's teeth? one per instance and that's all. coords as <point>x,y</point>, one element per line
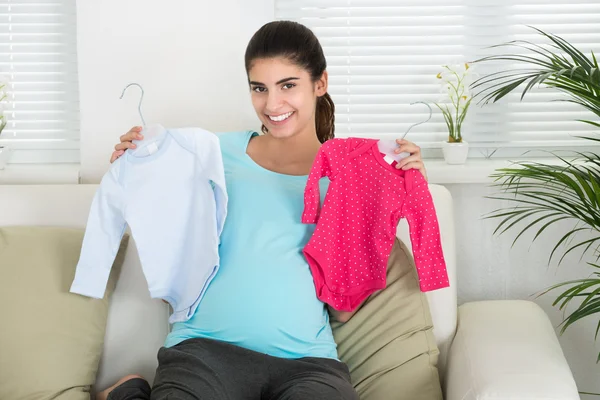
<point>281,117</point>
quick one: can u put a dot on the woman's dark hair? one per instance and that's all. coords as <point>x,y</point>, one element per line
<point>298,44</point>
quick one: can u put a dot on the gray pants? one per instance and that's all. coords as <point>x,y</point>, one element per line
<point>203,369</point>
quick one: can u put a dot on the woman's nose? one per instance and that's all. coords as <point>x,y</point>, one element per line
<point>274,102</point>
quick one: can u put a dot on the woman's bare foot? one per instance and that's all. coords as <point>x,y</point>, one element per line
<point>103,395</point>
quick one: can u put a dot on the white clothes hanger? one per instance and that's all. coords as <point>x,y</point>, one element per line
<point>387,146</point>
<point>150,133</point>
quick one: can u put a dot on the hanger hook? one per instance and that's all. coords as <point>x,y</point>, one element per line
<point>141,99</point>
<point>419,123</point>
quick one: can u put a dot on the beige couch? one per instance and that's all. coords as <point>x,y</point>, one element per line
<point>488,350</point>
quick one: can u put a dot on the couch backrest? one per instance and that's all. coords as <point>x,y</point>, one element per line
<point>137,324</point>
<point>443,303</point>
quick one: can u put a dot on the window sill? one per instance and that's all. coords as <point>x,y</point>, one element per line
<point>438,172</point>
<point>34,174</point>
<point>476,170</point>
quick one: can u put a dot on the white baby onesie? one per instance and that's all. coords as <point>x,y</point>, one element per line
<point>171,192</point>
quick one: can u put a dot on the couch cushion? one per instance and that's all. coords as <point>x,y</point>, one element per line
<point>388,344</point>
<point>51,340</point>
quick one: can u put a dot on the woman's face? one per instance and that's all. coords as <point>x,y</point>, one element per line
<point>284,96</point>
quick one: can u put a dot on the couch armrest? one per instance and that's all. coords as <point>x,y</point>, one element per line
<point>506,349</point>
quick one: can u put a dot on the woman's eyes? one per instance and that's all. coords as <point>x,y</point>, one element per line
<point>261,89</point>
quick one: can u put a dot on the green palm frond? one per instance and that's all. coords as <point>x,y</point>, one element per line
<point>542,194</point>
<point>551,193</point>
<point>559,65</point>
<point>584,291</point>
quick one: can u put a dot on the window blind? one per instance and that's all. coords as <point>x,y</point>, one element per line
<point>384,55</point>
<point>38,58</point>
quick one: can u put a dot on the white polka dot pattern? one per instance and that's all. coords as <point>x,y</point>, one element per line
<point>356,227</point>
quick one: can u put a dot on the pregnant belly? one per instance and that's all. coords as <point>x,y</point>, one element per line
<point>273,310</point>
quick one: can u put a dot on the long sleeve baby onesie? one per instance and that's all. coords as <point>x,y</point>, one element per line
<point>175,203</point>
<point>356,228</point>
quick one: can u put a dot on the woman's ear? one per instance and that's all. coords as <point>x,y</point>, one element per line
<point>322,84</point>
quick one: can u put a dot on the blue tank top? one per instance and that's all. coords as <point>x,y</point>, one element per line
<point>263,296</point>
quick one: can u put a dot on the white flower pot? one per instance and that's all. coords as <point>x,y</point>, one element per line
<point>4,156</point>
<point>455,153</point>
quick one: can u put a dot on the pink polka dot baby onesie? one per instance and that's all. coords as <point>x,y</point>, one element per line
<point>356,228</point>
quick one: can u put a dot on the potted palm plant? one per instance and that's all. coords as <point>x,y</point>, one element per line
<point>543,194</point>
<point>457,99</point>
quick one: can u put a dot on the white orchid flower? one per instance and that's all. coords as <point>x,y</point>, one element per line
<point>455,80</point>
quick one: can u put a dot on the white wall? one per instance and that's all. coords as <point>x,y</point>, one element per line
<point>188,55</point>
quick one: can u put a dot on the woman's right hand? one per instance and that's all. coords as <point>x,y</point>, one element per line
<point>126,142</point>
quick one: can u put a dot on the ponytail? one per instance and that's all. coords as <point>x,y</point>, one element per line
<point>325,118</point>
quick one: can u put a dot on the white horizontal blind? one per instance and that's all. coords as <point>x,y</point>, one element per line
<point>38,56</point>
<point>384,54</point>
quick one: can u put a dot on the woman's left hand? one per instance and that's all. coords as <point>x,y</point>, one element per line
<point>414,161</point>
